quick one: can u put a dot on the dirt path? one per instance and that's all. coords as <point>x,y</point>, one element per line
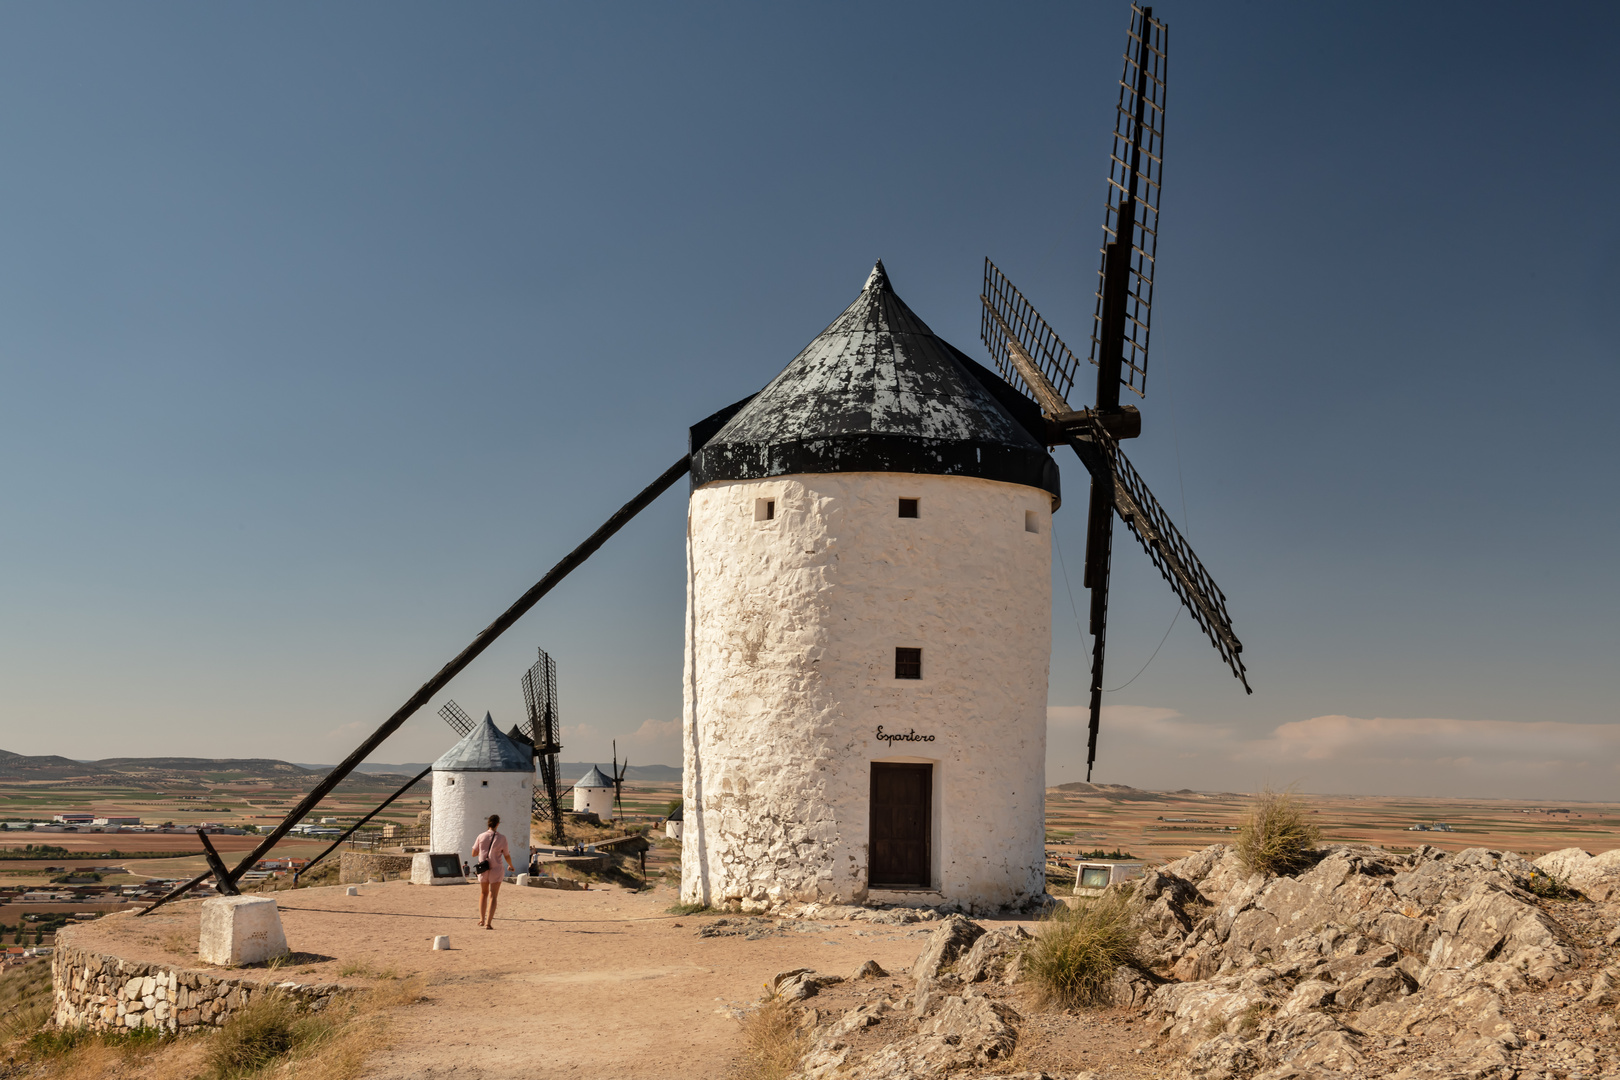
<point>598,983</point>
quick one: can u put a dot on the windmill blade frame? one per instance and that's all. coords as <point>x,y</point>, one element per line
<point>540,700</point>
<point>1165,545</point>
<point>1009,318</point>
<point>1122,318</point>
<point>456,717</point>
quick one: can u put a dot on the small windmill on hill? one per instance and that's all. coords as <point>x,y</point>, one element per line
<point>1033,358</point>
<point>540,698</point>
<point>618,780</point>
<point>540,735</point>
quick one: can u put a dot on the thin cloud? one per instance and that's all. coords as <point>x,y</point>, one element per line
<point>1436,756</point>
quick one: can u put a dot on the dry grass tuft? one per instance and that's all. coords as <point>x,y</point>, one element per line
<point>1071,962</point>
<point>1277,836</point>
<point>25,1000</point>
<point>270,1028</point>
<point>273,1039</point>
<point>773,1042</point>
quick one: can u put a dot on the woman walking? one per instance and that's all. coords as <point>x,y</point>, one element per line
<point>488,852</point>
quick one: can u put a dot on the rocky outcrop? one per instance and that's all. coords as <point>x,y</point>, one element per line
<point>1598,876</point>
<point>1281,976</point>
<point>943,1026</point>
<point>1366,963</point>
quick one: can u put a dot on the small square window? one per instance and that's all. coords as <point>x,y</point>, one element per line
<point>485,783</point>
<point>908,663</point>
<point>1031,522</point>
<point>908,508</point>
<point>764,509</point>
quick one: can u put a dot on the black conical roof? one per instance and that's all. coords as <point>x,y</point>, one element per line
<point>878,391</point>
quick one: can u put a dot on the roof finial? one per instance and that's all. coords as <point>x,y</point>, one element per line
<point>878,279</point>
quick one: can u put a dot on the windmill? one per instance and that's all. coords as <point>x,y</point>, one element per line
<point>540,698</point>
<point>754,439</point>
<point>1033,358</point>
<point>618,781</point>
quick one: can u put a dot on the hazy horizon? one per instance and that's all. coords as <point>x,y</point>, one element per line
<point>326,331</point>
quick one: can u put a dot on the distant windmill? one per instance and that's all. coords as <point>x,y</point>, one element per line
<point>540,735</point>
<point>540,698</point>
<point>618,781</point>
<point>1033,358</point>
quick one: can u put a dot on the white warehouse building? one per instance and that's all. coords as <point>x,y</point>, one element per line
<point>485,773</point>
<point>868,629</point>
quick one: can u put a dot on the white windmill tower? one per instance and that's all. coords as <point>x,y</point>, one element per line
<point>593,794</point>
<point>868,628</point>
<point>485,773</point>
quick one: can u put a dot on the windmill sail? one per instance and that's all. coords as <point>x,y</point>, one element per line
<point>1119,336</point>
<point>540,699</point>
<point>456,717</point>
<point>1009,319</point>
<point>1165,545</point>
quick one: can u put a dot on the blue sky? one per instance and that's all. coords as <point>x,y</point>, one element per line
<point>325,330</point>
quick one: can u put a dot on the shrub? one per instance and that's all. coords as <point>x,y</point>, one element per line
<point>1277,837</point>
<point>262,1032</point>
<point>25,999</point>
<point>1076,951</point>
<point>1549,887</point>
<point>773,1042</point>
<point>689,909</point>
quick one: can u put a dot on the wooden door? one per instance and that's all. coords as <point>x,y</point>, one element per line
<point>902,801</point>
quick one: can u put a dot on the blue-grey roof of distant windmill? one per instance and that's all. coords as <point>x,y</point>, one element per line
<point>878,391</point>
<point>594,778</point>
<point>485,749</point>
<point>677,814</point>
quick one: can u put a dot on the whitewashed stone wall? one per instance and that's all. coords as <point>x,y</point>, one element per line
<point>792,625</point>
<point>462,802</point>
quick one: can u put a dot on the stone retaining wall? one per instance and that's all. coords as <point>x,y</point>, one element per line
<point>104,993</point>
<point>358,867</point>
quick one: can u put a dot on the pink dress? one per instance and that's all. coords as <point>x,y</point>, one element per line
<point>491,845</point>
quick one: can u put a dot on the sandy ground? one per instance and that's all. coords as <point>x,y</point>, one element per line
<point>598,983</point>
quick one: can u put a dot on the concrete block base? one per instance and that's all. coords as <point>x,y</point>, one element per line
<point>240,930</point>
<point>449,870</point>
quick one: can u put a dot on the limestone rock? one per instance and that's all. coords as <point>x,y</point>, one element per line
<point>801,983</point>
<point>864,1016</point>
<point>1597,876</point>
<point>870,970</point>
<point>1374,988</point>
<point>990,954</point>
<point>955,934</point>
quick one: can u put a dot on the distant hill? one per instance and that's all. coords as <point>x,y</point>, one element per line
<point>568,771</point>
<point>164,772</point>
<point>152,770</point>
<point>24,766</point>
<point>1121,792</point>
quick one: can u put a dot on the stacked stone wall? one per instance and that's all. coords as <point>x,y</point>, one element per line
<point>358,867</point>
<point>107,993</point>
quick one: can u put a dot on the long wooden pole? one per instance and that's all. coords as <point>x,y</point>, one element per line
<point>412,782</point>
<point>483,641</point>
